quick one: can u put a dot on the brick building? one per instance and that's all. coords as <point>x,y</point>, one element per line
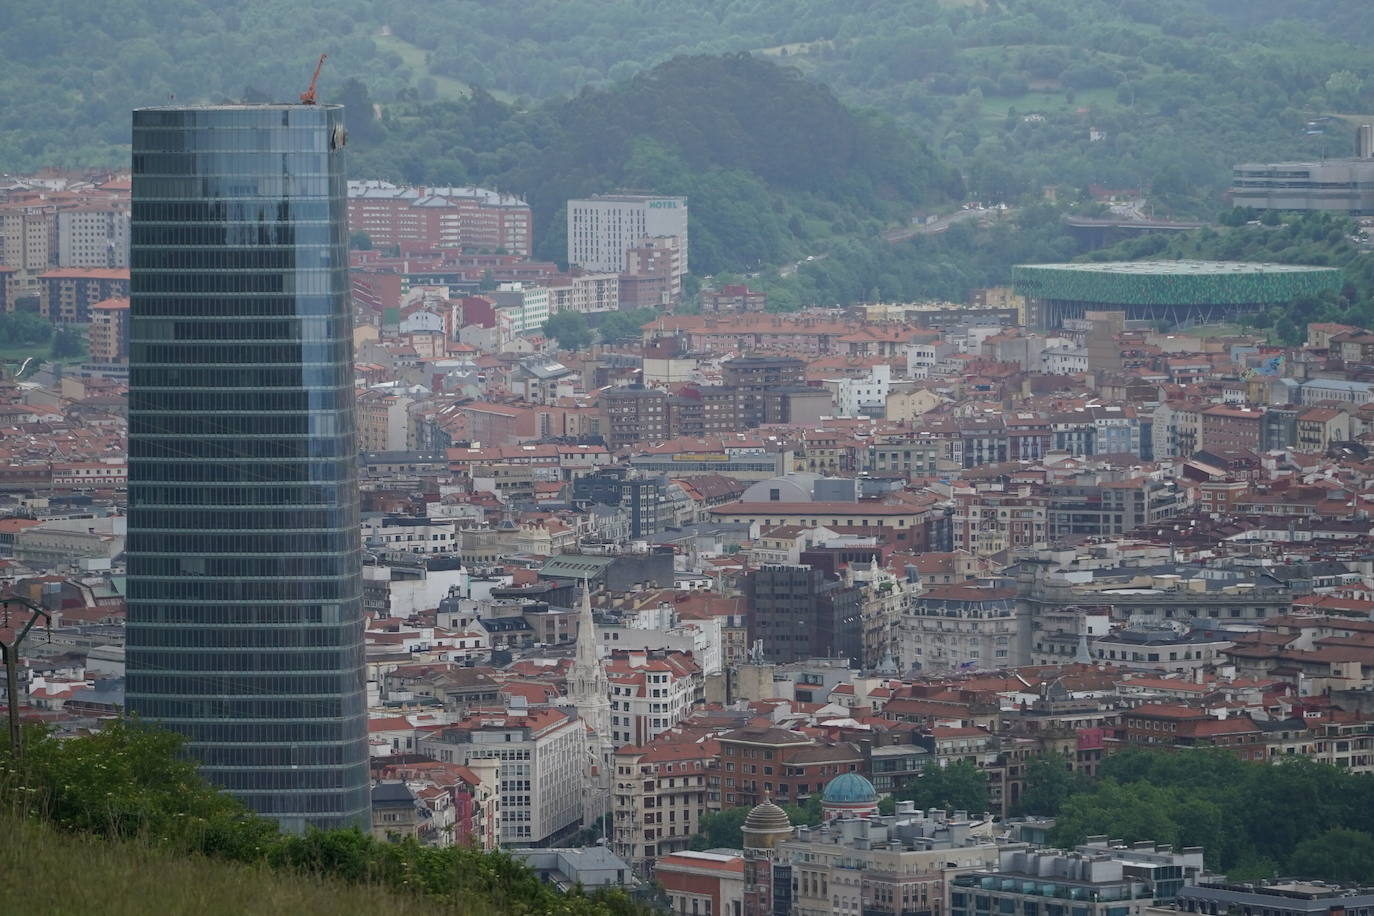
<point>108,340</point>
<point>428,219</point>
<point>761,760</point>
<point>67,293</point>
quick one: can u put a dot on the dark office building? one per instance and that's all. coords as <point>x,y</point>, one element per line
<point>763,384</point>
<point>244,586</point>
<point>798,612</point>
<point>640,497</point>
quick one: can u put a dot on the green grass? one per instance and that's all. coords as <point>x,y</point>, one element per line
<point>1213,330</point>
<point>44,872</point>
<point>445,86</point>
<point>995,106</point>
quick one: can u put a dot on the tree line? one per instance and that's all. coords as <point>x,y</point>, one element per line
<point>130,781</point>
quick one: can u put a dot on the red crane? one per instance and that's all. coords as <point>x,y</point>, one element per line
<point>308,96</point>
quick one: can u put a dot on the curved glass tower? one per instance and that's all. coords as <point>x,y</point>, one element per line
<point>244,587</point>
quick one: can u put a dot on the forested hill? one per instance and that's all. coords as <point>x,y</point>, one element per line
<point>1161,95</point>
<point>772,163</point>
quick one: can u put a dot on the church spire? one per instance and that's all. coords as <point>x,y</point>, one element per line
<point>588,652</point>
<point>588,687</point>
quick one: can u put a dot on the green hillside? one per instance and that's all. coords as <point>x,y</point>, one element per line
<point>774,164</point>
<point>1177,89</point>
<point>44,871</point>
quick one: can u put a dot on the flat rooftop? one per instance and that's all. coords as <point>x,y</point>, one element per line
<point>1179,268</point>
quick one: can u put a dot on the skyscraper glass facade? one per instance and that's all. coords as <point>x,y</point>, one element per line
<point>244,585</point>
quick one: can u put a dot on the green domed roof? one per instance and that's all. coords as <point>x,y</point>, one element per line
<point>849,789</point>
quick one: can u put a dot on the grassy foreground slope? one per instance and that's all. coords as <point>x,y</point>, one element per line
<point>45,871</point>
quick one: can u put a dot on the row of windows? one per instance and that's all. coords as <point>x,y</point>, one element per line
<point>219,590</point>
<point>319,808</point>
<point>306,688</point>
<point>216,119</point>
<point>240,565</point>
<point>253,542</point>
<point>287,779</point>
<point>195,636</point>
<point>240,327</point>
<point>227,164</point>
<point>300,279</point>
<point>297,257</point>
<point>231,449</point>
<point>325,423</point>
<point>351,705</point>
<point>260,661</point>
<point>261,353</point>
<point>149,521</point>
<point>145,614</point>
<point>248,401</point>
<point>281,210</point>
<point>150,237</point>
<point>183,377</point>
<point>288,305</point>
<point>265,472</point>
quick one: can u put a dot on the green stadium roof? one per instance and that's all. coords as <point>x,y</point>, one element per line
<point>1174,282</point>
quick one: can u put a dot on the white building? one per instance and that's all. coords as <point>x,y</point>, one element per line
<point>520,308</point>
<point>541,753</point>
<point>650,693</point>
<point>602,229</point>
<point>409,535</point>
<point>660,628</point>
<point>96,235</point>
<point>865,396</point>
<point>1064,360</point>
<point>590,292</point>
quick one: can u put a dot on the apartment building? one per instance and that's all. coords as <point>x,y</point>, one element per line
<point>602,229</point>
<point>427,219</point>
<point>660,797</point>
<point>108,338</point>
<point>542,755</point>
<point>93,235</point>
<point>67,294</point>
<point>651,691</point>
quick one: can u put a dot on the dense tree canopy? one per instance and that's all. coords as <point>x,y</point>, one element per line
<point>1252,819</point>
<point>1160,95</point>
<point>959,786</point>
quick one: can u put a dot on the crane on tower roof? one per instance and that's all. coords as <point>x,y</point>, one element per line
<point>308,96</point>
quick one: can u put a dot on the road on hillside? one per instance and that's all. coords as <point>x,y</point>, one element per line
<point>942,223</point>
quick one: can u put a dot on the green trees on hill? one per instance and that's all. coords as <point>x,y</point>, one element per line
<point>1253,819</point>
<point>129,782</point>
<point>1178,89</point>
<point>768,160</point>
<point>1320,239</point>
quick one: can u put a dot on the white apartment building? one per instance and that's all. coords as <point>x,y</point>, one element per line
<point>1064,360</point>
<point>660,628</point>
<point>603,228</point>
<point>521,308</point>
<point>856,397</point>
<point>593,292</point>
<point>650,692</point>
<point>542,755</point>
<point>409,535</point>
<point>93,236</point>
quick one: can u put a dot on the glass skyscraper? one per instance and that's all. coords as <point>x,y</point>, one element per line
<point>244,586</point>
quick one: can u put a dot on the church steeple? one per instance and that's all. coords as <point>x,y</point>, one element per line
<point>590,692</point>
